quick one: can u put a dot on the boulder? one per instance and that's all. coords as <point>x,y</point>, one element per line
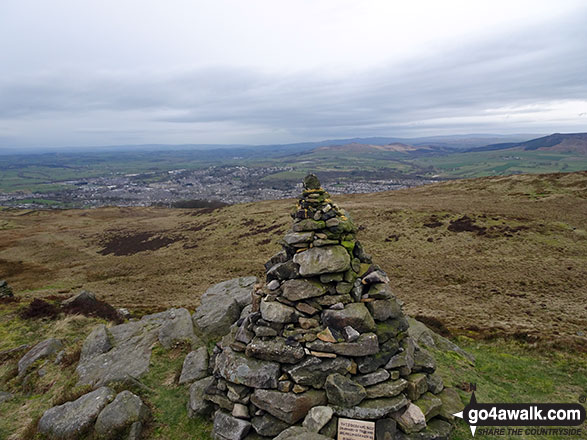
<point>177,327</point>
<point>317,418</point>
<point>242,370</point>
<point>324,259</point>
<point>355,315</point>
<point>288,407</point>
<point>197,405</point>
<point>298,289</point>
<point>372,409</point>
<point>126,409</point>
<point>72,419</point>
<point>42,350</point>
<point>195,366</point>
<point>275,349</point>
<point>313,371</point>
<point>214,317</point>
<point>411,419</point>
<point>227,427</point>
<point>83,299</point>
<point>343,391</point>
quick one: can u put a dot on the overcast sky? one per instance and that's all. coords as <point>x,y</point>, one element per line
<point>109,72</point>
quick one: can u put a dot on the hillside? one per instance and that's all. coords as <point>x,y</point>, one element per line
<point>483,257</point>
<point>557,142</point>
<point>366,148</point>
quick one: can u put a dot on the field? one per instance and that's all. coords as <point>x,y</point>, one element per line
<point>496,263</point>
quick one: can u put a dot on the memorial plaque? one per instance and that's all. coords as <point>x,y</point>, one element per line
<point>349,429</point>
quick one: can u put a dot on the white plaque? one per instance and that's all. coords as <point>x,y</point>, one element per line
<point>349,429</point>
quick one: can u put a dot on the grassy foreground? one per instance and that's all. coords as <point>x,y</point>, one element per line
<point>505,371</point>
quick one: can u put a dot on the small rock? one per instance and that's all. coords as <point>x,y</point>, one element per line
<point>350,334</point>
<point>195,366</point>
<point>324,259</point>
<point>300,433</point>
<point>82,299</point>
<point>435,384</point>
<point>299,289</point>
<point>386,389</point>
<point>429,404</point>
<point>377,276</point>
<point>274,311</point>
<point>135,432</point>
<point>273,285</point>
<point>267,425</point>
<point>96,343</point>
<point>355,315</point>
<point>385,429</point>
<point>242,370</point>
<point>240,411</point>
<point>326,335</point>
<point>313,371</point>
<point>372,409</point>
<point>417,386</point>
<point>275,349</point>
<point>369,379</point>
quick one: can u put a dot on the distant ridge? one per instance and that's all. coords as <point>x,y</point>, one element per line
<point>559,142</point>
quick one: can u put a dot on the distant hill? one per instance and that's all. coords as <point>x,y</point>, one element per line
<point>557,142</point>
<point>356,147</point>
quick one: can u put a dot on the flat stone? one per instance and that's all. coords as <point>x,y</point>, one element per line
<point>240,369</point>
<point>317,418</point>
<point>298,237</point>
<point>308,225</point>
<point>240,289</point>
<point>306,308</point>
<point>343,391</point>
<point>197,405</point>
<point>326,335</point>
<point>313,371</point>
<point>386,389</point>
<point>275,349</point>
<point>126,409</point>
<point>274,311</point>
<point>287,406</point>
<point>369,379</point>
<point>331,300</point>
<point>330,277</point>
<point>195,366</point>
<point>227,427</point>
<point>72,419</point>
<point>384,309</point>
<point>299,289</point>
<point>366,345</point>
<point>372,409</point>
<point>411,420</point>
<point>355,315</point>
<point>451,403</point>
<point>267,425</point>
<point>42,350</point>
<point>320,260</point>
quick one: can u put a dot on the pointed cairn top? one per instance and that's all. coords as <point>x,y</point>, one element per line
<point>311,181</point>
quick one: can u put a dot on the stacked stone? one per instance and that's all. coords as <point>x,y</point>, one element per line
<point>325,334</point>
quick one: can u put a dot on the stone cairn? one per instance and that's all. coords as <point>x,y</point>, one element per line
<point>326,339</point>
